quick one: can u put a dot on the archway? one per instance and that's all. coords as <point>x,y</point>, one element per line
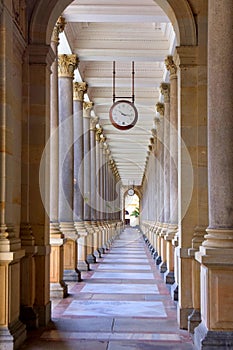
<point>132,211</point>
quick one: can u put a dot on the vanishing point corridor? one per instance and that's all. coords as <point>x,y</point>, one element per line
<point>122,303</point>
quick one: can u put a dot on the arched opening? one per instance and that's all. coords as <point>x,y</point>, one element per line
<point>132,211</point>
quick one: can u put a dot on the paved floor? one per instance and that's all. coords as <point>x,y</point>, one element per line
<point>121,304</point>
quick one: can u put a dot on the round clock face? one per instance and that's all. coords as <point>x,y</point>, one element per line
<point>123,115</point>
<point>130,191</point>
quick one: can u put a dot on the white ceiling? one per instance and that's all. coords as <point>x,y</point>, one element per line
<point>103,31</point>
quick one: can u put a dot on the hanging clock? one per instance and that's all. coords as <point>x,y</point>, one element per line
<point>131,192</point>
<point>123,115</point>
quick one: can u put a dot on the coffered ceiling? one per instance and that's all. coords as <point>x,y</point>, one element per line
<point>103,31</point>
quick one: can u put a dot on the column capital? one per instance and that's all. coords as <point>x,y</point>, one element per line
<point>58,28</point>
<point>165,91</point>
<point>87,107</point>
<point>160,108</point>
<point>79,89</point>
<point>170,65</point>
<point>66,65</point>
<point>93,122</point>
<point>98,132</point>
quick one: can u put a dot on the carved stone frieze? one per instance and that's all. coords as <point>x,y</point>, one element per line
<point>79,89</point>
<point>66,65</point>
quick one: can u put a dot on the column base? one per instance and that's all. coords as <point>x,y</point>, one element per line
<point>97,253</point>
<point>44,313</point>
<point>194,320</point>
<point>212,340</point>
<point>58,290</point>
<point>101,250</point>
<point>182,316</point>
<point>72,275</point>
<point>175,292</point>
<point>29,317</point>
<point>163,267</point>
<point>83,265</point>
<point>169,277</point>
<point>158,260</point>
<point>11,338</point>
<point>91,259</point>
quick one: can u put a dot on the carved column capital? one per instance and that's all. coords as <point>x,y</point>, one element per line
<point>170,65</point>
<point>66,65</point>
<point>160,108</point>
<point>59,28</point>
<point>93,122</point>
<point>87,107</point>
<point>79,89</point>
<point>98,132</point>
<point>165,91</point>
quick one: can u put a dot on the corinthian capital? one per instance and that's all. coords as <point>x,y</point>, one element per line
<point>59,28</point>
<point>93,123</point>
<point>165,91</point>
<point>170,65</point>
<point>160,108</point>
<point>79,89</point>
<point>87,107</point>
<point>66,65</point>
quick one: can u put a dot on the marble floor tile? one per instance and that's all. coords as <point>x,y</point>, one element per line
<point>123,267</point>
<point>121,304</point>
<point>115,308</point>
<point>124,275</point>
<point>121,288</point>
<point>124,260</point>
<point>54,334</point>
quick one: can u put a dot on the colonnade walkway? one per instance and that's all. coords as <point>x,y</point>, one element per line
<point>121,304</point>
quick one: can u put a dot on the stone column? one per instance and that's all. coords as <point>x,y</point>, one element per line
<point>173,226</point>
<point>87,180</point>
<point>94,185</point>
<point>66,66</point>
<point>12,330</point>
<point>165,91</point>
<point>160,110</point>
<point>58,288</point>
<point>78,94</point>
<point>215,254</point>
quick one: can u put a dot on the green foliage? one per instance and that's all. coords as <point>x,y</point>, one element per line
<point>135,212</point>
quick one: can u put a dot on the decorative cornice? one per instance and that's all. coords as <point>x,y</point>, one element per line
<point>66,65</point>
<point>170,65</point>
<point>160,108</point>
<point>59,28</point>
<point>87,107</point>
<point>79,89</point>
<point>165,91</point>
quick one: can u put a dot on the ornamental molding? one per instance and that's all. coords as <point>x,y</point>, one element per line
<point>79,89</point>
<point>66,65</point>
<point>170,65</point>
<point>59,28</point>
<point>165,91</point>
<point>160,108</point>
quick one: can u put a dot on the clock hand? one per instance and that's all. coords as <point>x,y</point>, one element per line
<point>125,115</point>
